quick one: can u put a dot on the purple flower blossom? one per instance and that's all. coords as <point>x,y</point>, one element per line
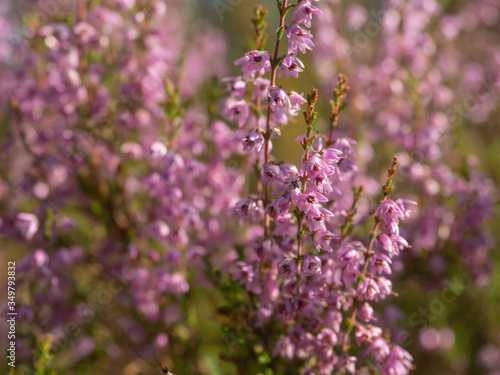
<point>287,269</point>
<point>385,286</point>
<point>284,347</point>
<point>311,201</point>
<point>380,349</point>
<point>390,213</point>
<point>236,86</point>
<point>236,110</point>
<point>317,223</point>
<point>331,155</point>
<point>323,240</point>
<point>279,99</point>
<point>328,337</point>
<point>381,263</point>
<point>28,224</point>
<point>272,173</point>
<point>367,334</point>
<point>304,11</point>
<point>254,61</point>
<point>291,66</point>
<point>249,209</point>
<point>369,289</point>
<point>289,172</point>
<point>244,274</point>
<point>253,141</point>
<point>316,166</point>
<point>299,39</point>
<point>157,150</point>
<point>279,206</point>
<point>399,362</point>
<point>311,265</point>
<point>261,89</point>
<point>365,312</point>
<point>296,101</point>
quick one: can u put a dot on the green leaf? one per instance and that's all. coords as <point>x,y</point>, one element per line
<point>281,30</point>
<point>313,117</point>
<point>342,107</point>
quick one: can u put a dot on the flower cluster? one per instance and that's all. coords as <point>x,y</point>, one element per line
<point>304,268</point>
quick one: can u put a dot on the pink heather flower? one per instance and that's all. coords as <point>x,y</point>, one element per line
<point>385,242</point>
<point>279,99</point>
<point>249,209</point>
<point>322,184</point>
<point>315,166</point>
<point>333,318</point>
<point>290,191</point>
<point>132,149</point>
<point>261,88</point>
<point>367,334</point>
<point>393,243</point>
<point>271,173</point>
<point>291,66</point>
<point>381,263</point>
<point>262,246</point>
<point>236,110</point>
<point>27,224</point>
<point>157,150</point>
<point>351,255</point>
<point>344,144</point>
<point>398,243</point>
<point>236,86</point>
<point>317,223</point>
<point>304,12</point>
<point>279,206</point>
<point>365,312</point>
<point>160,229</point>
<point>244,274</point>
<point>279,116</point>
<point>289,171</point>
<point>284,347</point>
<point>299,39</point>
<point>385,286</point>
<point>311,200</point>
<point>379,349</point>
<point>399,362</point>
<point>331,155</point>
<point>311,265</point>
<point>253,141</point>
<point>369,289</point>
<point>287,269</point>
<point>403,206</point>
<point>177,284</point>
<point>390,213</point>
<point>322,240</point>
<point>348,363</point>
<point>85,32</point>
<point>254,61</point>
<point>296,101</point>
<point>328,336</point>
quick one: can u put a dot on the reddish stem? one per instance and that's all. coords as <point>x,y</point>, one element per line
<point>267,135</point>
<point>82,11</point>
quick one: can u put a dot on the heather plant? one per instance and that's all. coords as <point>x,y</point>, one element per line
<point>154,224</point>
<point>311,280</point>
